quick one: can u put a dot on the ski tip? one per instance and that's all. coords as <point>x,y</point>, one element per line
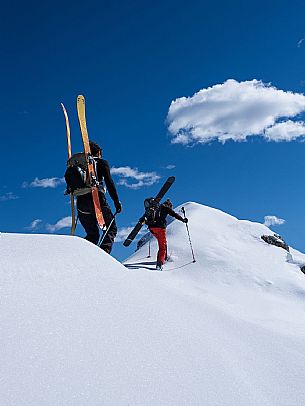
<point>80,97</point>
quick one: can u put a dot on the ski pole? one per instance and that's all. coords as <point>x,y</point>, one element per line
<point>188,233</point>
<point>166,255</point>
<point>107,230</point>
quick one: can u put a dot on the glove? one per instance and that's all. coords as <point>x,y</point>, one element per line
<point>118,207</point>
<point>185,220</point>
<point>142,220</point>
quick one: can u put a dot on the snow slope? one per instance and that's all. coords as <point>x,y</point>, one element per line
<point>78,328</point>
<point>231,259</point>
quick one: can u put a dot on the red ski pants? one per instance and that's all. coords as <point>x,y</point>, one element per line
<point>160,234</point>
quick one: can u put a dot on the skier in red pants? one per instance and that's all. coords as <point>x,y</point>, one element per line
<point>156,222</point>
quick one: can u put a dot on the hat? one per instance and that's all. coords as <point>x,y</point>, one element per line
<point>168,203</point>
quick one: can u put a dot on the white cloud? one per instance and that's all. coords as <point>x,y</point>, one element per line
<point>170,167</point>
<point>34,225</point>
<point>8,196</point>
<point>285,131</point>
<point>62,223</point>
<point>44,183</point>
<point>300,42</point>
<point>272,221</point>
<point>235,110</point>
<point>123,233</point>
<point>138,179</point>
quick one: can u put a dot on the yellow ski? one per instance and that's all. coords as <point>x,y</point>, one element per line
<point>91,170</point>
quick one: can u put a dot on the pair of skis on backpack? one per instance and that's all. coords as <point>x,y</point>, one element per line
<point>93,176</point>
<point>143,219</point>
<point>89,161</point>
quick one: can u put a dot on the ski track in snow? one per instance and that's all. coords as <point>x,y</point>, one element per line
<point>79,328</point>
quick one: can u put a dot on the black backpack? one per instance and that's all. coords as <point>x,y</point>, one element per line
<point>77,177</point>
<point>152,211</point>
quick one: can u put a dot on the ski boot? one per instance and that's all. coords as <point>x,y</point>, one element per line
<point>159,266</point>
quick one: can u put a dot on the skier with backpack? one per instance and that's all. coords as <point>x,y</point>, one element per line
<point>78,183</point>
<point>155,219</point>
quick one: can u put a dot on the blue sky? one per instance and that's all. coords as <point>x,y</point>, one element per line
<point>131,60</point>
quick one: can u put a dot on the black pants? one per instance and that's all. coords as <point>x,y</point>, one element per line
<point>86,215</point>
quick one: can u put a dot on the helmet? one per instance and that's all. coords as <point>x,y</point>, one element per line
<point>168,203</point>
<point>149,202</point>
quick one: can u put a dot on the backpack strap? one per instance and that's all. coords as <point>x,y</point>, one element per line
<point>101,186</point>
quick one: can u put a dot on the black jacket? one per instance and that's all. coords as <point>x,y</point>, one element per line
<point>85,202</point>
<point>160,217</point>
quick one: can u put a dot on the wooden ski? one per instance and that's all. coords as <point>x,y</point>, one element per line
<point>91,169</point>
<point>73,225</point>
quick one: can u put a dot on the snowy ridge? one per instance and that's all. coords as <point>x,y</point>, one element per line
<point>234,265</point>
<point>80,328</point>
<point>229,250</point>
